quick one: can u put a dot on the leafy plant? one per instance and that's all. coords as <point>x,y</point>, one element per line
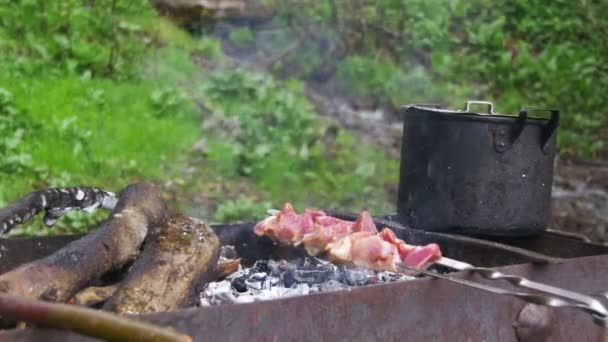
<point>14,127</point>
<point>267,130</point>
<point>241,209</point>
<point>515,53</point>
<point>54,37</point>
<point>167,102</point>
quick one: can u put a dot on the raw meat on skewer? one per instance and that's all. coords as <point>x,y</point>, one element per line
<point>357,243</point>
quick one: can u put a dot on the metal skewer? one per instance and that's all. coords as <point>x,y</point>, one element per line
<point>549,296</point>
<point>515,280</point>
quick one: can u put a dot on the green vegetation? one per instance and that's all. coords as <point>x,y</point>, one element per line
<point>110,94</point>
<point>515,53</point>
<point>106,92</point>
<point>267,131</point>
<point>75,108</point>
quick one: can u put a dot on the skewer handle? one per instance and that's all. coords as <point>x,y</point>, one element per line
<point>536,298</point>
<point>589,302</point>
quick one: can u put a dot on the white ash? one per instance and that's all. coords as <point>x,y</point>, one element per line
<point>228,252</point>
<point>269,279</point>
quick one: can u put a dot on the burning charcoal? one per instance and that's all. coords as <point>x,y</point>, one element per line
<point>222,286</point>
<point>228,252</point>
<point>309,271</point>
<point>332,285</point>
<point>258,282</point>
<point>269,279</point>
<point>262,266</point>
<point>312,276</point>
<point>289,278</point>
<point>218,299</point>
<point>217,293</point>
<point>313,262</point>
<point>248,298</point>
<point>273,281</point>
<point>238,283</point>
<point>299,290</point>
<point>387,277</point>
<point>358,276</point>
<point>257,277</point>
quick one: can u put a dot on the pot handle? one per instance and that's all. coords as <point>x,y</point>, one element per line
<point>549,129</point>
<point>467,106</point>
<point>504,137</point>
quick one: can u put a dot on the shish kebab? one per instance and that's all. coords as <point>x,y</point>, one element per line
<point>359,243</point>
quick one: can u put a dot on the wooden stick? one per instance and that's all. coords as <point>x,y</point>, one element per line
<point>89,322</point>
<point>117,241</point>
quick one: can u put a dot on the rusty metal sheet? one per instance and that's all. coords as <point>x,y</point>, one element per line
<point>418,310</point>
<point>16,251</point>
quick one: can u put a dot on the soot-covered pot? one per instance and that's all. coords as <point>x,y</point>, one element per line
<point>476,173</point>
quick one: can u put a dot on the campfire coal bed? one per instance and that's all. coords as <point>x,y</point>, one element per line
<point>272,279</point>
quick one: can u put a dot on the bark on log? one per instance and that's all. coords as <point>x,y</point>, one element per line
<point>93,295</point>
<point>226,267</point>
<point>55,202</point>
<point>114,243</point>
<point>176,260</point>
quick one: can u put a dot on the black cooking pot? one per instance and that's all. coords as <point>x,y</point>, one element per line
<point>476,173</point>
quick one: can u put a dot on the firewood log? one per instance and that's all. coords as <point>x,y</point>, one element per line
<point>114,243</point>
<point>177,258</point>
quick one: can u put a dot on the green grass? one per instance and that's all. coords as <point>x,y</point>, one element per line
<point>108,133</point>
<point>264,142</point>
<point>101,129</point>
<point>96,133</point>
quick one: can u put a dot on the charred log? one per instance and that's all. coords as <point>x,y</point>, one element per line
<point>117,241</point>
<point>177,258</point>
<point>54,202</point>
